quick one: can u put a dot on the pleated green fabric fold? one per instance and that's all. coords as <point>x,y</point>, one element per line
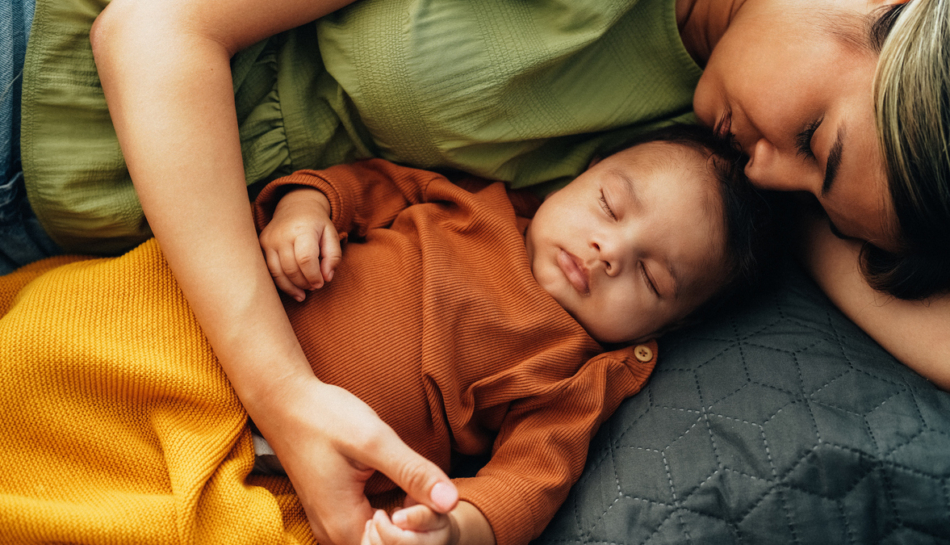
<point>525,92</point>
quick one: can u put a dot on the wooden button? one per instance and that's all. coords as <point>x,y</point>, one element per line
<point>643,353</point>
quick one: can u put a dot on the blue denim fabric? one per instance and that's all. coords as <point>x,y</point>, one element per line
<point>22,239</point>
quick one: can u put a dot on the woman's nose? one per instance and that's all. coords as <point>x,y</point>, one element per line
<point>778,170</point>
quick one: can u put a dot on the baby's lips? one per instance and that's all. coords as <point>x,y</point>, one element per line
<point>575,271</point>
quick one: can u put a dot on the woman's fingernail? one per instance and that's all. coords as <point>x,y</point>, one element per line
<point>444,496</point>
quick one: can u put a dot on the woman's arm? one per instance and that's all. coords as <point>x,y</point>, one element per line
<point>915,332</point>
<point>165,71</point>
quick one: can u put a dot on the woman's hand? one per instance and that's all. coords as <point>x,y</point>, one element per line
<point>329,443</point>
<point>300,244</point>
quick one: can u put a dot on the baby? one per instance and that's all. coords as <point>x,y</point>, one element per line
<point>475,320</point>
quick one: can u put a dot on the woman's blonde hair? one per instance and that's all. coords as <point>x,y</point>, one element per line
<point>912,107</point>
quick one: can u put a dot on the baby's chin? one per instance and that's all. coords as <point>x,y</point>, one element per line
<point>610,337</point>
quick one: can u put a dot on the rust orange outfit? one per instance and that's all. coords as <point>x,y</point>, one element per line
<point>435,320</point>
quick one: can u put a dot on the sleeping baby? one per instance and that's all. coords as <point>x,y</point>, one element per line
<point>475,320</point>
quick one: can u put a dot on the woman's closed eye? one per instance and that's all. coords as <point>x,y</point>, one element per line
<point>803,139</point>
<point>606,206</point>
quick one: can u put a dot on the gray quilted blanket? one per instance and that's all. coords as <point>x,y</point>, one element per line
<point>780,423</point>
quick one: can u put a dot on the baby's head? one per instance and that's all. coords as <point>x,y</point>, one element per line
<point>649,235</point>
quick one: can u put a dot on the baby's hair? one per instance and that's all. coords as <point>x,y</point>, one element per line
<point>749,215</point>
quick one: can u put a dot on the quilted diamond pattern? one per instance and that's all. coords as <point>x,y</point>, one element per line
<point>780,423</point>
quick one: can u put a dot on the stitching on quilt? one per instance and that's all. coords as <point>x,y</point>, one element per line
<point>889,494</point>
<point>873,465</point>
<point>844,518</point>
<point>853,413</point>
<point>609,507</point>
<point>783,494</point>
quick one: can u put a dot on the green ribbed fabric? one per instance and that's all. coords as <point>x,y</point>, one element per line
<point>522,92</point>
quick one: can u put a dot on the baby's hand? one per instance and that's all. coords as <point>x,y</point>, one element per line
<point>300,244</point>
<point>416,525</point>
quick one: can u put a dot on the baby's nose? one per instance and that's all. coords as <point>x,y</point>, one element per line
<point>611,256</point>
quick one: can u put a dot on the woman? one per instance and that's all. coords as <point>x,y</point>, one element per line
<point>791,84</point>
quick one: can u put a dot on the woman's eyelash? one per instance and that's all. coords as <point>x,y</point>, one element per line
<point>646,277</point>
<point>605,206</point>
<point>803,140</point>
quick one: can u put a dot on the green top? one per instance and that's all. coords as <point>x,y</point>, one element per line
<point>505,90</point>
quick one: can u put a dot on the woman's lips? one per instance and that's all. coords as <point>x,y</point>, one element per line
<point>575,271</point>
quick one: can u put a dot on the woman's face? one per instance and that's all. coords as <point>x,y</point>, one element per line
<point>796,94</point>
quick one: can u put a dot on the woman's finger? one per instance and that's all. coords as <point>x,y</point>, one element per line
<point>409,502</point>
<point>335,503</point>
<point>417,476</point>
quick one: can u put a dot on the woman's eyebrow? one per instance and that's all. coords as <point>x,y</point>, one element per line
<point>834,162</point>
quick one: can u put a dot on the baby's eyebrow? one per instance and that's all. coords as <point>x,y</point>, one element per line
<point>628,188</point>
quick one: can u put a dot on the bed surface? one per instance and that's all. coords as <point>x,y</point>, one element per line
<point>780,423</point>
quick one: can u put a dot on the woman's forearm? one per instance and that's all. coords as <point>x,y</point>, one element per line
<point>165,71</point>
<point>915,332</point>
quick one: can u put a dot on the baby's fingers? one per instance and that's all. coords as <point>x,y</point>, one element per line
<point>429,528</point>
<point>419,518</point>
<point>272,257</point>
<point>383,532</point>
<point>371,532</point>
<point>331,251</point>
<point>367,528</point>
<point>307,256</point>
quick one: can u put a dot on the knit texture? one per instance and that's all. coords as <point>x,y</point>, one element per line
<point>119,426</point>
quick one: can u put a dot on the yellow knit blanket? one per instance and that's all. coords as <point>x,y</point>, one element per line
<point>117,425</point>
